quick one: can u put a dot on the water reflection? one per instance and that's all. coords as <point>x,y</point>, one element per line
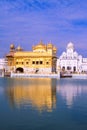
<point>39,93</point>
<point>1,90</point>
<point>70,89</point>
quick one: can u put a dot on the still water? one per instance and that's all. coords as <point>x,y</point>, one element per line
<point>43,104</point>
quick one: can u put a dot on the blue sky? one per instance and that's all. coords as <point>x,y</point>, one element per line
<point>26,22</point>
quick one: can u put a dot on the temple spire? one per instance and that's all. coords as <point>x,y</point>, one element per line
<point>41,42</point>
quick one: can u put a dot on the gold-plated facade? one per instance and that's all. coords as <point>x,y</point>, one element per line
<point>42,59</point>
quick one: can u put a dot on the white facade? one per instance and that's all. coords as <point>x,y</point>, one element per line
<point>3,64</point>
<point>71,61</point>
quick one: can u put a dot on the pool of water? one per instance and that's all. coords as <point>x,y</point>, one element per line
<point>43,104</point>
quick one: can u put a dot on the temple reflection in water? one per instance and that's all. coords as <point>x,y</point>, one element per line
<point>39,93</point>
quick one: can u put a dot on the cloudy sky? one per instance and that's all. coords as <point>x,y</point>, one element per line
<point>26,22</point>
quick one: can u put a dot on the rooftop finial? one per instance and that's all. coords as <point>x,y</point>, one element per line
<point>41,43</point>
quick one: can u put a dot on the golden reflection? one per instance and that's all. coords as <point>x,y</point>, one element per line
<point>39,93</point>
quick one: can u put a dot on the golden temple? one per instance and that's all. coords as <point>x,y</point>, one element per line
<point>42,59</point>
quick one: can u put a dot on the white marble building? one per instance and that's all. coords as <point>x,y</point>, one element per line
<point>71,61</point>
<point>3,64</point>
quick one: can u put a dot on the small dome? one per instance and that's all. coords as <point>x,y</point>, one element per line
<point>70,45</point>
<point>40,45</point>
<point>54,48</point>
<point>19,48</point>
<point>75,53</point>
<point>64,53</point>
<point>49,45</point>
<point>12,46</point>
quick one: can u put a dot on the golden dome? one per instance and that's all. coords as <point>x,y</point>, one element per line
<point>12,46</point>
<point>19,48</point>
<point>40,45</point>
<point>49,45</point>
<point>54,48</point>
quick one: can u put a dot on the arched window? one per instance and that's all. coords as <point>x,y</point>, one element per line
<point>63,68</point>
<point>74,68</point>
<point>19,70</point>
<point>68,68</point>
